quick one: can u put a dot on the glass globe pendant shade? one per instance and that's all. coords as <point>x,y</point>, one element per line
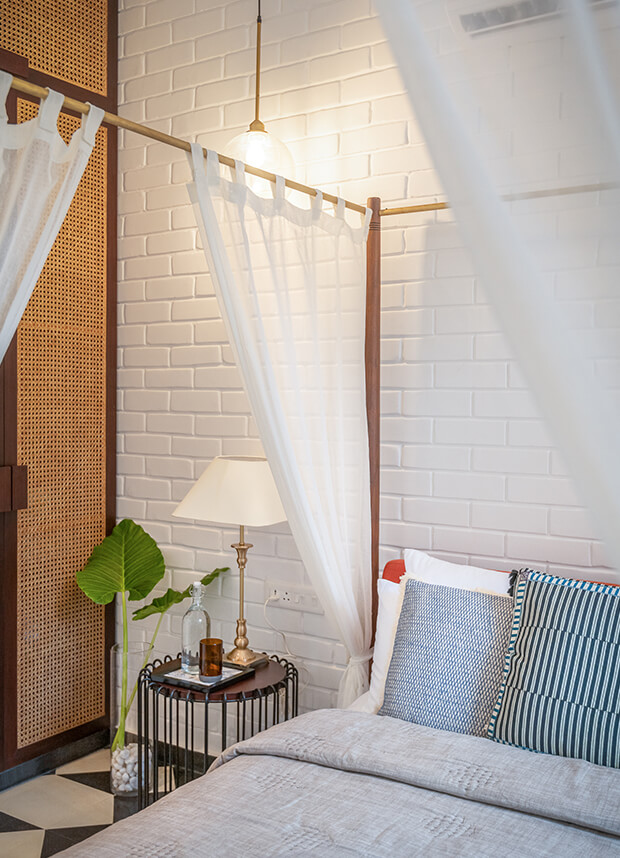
<point>263,150</point>
<point>255,147</point>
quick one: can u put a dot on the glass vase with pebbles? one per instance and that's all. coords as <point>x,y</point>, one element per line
<point>125,768</point>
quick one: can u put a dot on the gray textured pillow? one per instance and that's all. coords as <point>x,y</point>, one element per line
<point>448,657</point>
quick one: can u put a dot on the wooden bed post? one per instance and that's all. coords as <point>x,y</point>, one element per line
<point>373,383</point>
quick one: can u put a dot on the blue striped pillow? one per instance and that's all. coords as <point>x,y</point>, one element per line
<point>561,688</point>
<point>448,657</point>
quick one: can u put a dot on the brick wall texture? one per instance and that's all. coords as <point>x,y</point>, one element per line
<point>468,471</point>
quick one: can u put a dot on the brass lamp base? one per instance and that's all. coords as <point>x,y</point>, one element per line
<point>241,653</point>
<point>246,657</point>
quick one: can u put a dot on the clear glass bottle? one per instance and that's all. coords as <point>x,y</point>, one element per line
<point>196,626</point>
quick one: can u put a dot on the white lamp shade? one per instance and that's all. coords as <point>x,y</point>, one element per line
<point>236,490</point>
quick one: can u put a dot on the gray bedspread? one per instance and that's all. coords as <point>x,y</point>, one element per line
<point>341,783</point>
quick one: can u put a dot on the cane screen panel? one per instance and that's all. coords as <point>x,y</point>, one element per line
<point>63,38</point>
<point>61,437</point>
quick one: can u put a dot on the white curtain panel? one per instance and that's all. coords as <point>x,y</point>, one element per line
<point>290,283</point>
<point>517,107</point>
<point>39,175</point>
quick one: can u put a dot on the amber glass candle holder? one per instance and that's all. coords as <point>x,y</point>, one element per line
<point>211,656</point>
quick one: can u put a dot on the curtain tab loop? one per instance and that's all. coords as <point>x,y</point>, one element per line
<point>195,158</point>
<point>366,221</point>
<point>90,123</point>
<point>213,165</point>
<point>49,110</point>
<point>340,209</point>
<point>279,187</point>
<point>239,172</point>
<point>5,85</point>
<point>317,204</point>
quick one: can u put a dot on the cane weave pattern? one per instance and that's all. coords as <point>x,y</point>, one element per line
<point>63,38</point>
<point>61,438</point>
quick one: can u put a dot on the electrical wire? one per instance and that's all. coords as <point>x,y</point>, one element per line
<point>297,659</point>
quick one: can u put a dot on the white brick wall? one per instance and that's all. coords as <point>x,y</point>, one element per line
<point>468,471</point>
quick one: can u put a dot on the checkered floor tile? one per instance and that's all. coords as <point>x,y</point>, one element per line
<point>47,814</point>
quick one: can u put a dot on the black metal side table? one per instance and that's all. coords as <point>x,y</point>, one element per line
<point>170,716</point>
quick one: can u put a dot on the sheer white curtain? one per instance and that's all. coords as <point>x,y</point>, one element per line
<point>39,175</point>
<point>291,288</point>
<point>521,108</point>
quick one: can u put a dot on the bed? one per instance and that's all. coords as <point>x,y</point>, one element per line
<point>337,782</point>
<point>382,778</point>
<point>350,782</point>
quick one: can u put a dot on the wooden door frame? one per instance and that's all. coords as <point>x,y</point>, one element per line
<point>10,755</point>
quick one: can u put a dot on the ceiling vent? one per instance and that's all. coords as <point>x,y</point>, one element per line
<point>508,15</point>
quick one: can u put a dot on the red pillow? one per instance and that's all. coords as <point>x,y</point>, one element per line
<point>394,570</point>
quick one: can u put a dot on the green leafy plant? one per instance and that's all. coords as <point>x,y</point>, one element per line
<point>129,562</point>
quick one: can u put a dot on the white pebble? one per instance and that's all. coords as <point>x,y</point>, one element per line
<point>124,767</point>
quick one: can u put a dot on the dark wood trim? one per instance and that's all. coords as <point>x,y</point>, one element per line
<point>53,759</point>
<point>6,488</point>
<point>112,82</point>
<point>111,318</point>
<point>17,65</point>
<point>13,487</point>
<point>8,553</point>
<point>19,487</point>
<point>373,383</point>
<point>111,264</point>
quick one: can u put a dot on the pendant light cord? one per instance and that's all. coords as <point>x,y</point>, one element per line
<point>257,125</point>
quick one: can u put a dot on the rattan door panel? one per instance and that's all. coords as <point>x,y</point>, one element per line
<point>67,39</point>
<point>61,433</point>
<point>57,408</point>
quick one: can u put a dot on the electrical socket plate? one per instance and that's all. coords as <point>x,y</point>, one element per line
<point>294,596</point>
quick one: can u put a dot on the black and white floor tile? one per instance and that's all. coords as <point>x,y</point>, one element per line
<point>49,813</point>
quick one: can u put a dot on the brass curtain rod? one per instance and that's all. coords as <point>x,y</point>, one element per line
<point>524,195</point>
<point>112,119</point>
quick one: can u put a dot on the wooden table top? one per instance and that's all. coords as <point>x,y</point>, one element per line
<point>265,675</point>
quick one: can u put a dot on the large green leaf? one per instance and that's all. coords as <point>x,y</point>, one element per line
<point>127,560</point>
<point>161,604</point>
<point>172,597</point>
<point>211,576</point>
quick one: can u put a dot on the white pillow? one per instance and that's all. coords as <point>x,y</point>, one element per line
<point>390,601</point>
<point>424,568</point>
<point>363,704</point>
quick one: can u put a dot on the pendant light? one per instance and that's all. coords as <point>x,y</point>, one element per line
<point>256,146</point>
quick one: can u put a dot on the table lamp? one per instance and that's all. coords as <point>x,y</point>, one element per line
<point>231,490</point>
